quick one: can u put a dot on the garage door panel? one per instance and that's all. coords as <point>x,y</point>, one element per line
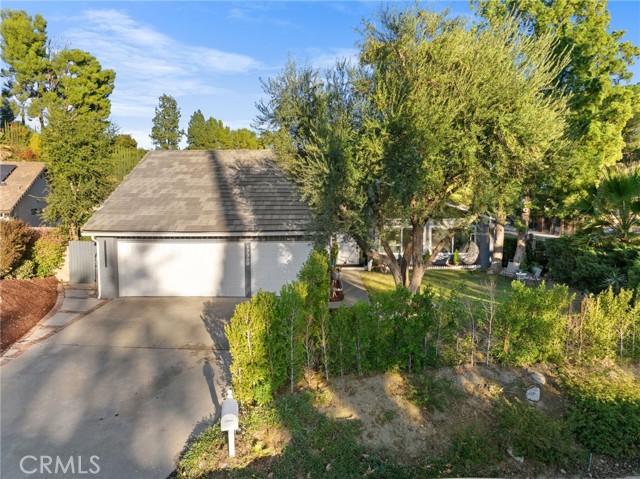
<point>275,263</point>
<point>180,268</point>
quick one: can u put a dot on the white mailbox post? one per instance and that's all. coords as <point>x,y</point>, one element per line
<point>229,420</point>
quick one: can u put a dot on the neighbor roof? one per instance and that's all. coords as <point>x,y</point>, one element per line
<point>203,192</point>
<point>17,184</point>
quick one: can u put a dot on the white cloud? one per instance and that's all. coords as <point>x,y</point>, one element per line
<point>149,63</point>
<point>327,58</point>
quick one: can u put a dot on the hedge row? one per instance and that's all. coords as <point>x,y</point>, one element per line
<point>26,252</point>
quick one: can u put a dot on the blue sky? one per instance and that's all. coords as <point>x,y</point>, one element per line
<point>210,55</point>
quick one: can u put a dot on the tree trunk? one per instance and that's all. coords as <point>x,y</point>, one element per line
<point>521,247</point>
<point>392,262</point>
<point>498,243</point>
<point>417,245</point>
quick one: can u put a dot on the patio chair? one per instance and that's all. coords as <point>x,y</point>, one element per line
<point>512,269</point>
<point>534,275</point>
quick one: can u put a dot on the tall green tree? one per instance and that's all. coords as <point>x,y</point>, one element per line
<point>42,79</point>
<point>77,149</point>
<point>600,105</point>
<point>166,132</point>
<point>631,132</point>
<point>435,110</point>
<point>197,137</point>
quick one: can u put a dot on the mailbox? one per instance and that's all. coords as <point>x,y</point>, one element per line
<point>229,420</point>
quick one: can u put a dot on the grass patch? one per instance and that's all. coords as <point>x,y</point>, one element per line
<point>313,446</point>
<point>604,414</point>
<point>429,391</point>
<point>472,285</point>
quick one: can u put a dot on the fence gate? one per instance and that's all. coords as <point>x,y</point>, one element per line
<point>82,262</point>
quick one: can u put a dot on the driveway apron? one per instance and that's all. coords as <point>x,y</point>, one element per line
<point>118,393</point>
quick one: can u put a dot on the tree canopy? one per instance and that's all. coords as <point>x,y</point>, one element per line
<point>599,105</point>
<point>42,78</point>
<point>166,132</point>
<point>433,110</point>
<point>212,134</point>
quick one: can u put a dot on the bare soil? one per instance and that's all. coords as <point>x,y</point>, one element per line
<point>404,432</point>
<point>22,304</point>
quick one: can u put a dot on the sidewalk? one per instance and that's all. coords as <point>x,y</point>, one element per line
<point>74,302</point>
<point>352,287</point>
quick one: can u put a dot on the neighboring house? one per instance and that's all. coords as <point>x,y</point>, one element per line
<point>23,189</point>
<point>200,223</point>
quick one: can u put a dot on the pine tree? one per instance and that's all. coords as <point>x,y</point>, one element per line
<point>166,132</point>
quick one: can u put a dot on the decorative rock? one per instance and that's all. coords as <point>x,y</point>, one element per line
<point>519,459</point>
<point>538,378</point>
<point>533,394</point>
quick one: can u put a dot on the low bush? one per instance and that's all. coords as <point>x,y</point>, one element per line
<point>609,326</point>
<point>530,325</point>
<point>254,375</point>
<point>531,434</point>
<point>48,251</point>
<point>15,236</point>
<point>576,261</point>
<point>25,270</point>
<point>604,413</point>
<point>472,450</point>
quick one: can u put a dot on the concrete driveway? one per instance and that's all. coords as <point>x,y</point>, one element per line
<point>118,393</point>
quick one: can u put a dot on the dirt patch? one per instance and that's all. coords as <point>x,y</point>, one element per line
<point>404,432</point>
<point>23,303</point>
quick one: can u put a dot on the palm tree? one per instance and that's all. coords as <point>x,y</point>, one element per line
<point>614,207</point>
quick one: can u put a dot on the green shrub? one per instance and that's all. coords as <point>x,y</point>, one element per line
<point>430,391</point>
<point>25,270</point>
<point>254,380</point>
<point>531,324</point>
<point>48,251</point>
<point>561,256</point>
<point>287,333</point>
<point>531,434</point>
<point>590,273</point>
<point>609,326</point>
<point>605,411</point>
<point>15,236</point>
<point>575,261</point>
<point>473,449</point>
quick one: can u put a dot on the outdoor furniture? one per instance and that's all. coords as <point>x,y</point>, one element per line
<point>535,275</point>
<point>521,276</point>
<point>512,269</point>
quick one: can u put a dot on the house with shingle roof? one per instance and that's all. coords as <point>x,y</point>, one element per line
<point>200,223</point>
<point>23,191</point>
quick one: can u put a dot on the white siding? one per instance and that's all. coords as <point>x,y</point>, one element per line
<point>180,268</point>
<point>274,263</point>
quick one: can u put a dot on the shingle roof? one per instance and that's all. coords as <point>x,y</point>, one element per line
<point>200,192</point>
<point>18,183</point>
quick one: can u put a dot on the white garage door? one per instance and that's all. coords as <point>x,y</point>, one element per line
<point>274,263</point>
<point>180,268</point>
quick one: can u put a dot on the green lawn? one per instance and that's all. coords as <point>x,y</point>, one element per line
<point>469,284</point>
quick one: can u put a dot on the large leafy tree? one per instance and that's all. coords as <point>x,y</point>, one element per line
<point>434,110</point>
<point>631,132</point>
<point>42,79</point>
<point>77,148</point>
<point>600,105</point>
<point>166,132</point>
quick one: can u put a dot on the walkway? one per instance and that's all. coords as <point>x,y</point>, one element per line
<point>353,288</point>
<point>74,302</point>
